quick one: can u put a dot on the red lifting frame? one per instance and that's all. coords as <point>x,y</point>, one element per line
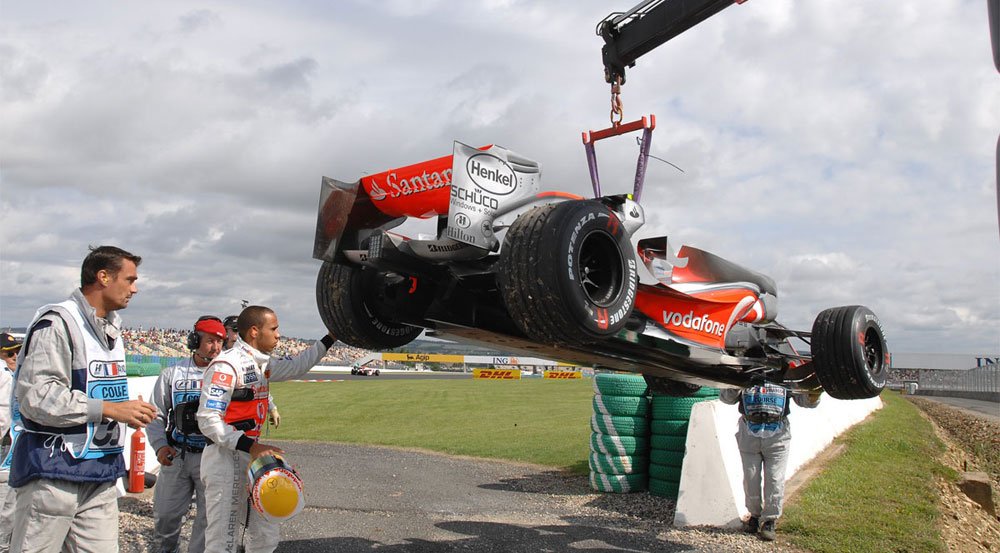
<point>646,124</point>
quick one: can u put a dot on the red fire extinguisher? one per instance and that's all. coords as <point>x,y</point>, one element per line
<point>137,462</point>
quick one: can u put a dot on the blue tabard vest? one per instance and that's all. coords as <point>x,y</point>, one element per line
<point>185,386</point>
<point>764,409</point>
<point>90,452</point>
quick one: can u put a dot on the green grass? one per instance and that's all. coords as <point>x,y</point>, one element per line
<point>532,420</point>
<point>879,494</point>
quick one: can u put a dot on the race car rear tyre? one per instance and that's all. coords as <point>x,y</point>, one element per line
<point>356,304</point>
<point>849,352</point>
<point>567,272</point>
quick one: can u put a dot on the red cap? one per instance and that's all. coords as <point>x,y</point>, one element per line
<point>211,326</point>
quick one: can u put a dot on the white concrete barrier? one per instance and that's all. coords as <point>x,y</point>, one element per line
<point>711,488</point>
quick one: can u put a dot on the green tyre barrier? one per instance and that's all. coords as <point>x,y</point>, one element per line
<point>672,443</point>
<point>667,427</point>
<point>618,483</point>
<point>666,407</point>
<point>664,488</point>
<point>621,405</point>
<point>611,384</point>
<point>618,445</point>
<point>666,457</point>
<point>669,473</point>
<point>619,426</point>
<point>608,464</point>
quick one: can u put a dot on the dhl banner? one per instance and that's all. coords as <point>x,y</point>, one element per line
<point>496,374</point>
<point>562,375</point>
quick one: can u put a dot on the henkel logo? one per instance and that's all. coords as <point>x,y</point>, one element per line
<point>491,173</point>
<point>689,320</point>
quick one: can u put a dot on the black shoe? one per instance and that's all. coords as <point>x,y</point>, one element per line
<point>767,531</point>
<point>753,525</point>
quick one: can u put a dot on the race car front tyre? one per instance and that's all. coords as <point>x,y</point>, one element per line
<point>849,352</point>
<point>567,272</point>
<point>356,303</point>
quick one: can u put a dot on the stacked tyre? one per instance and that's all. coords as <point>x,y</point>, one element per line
<point>668,435</point>
<point>619,442</point>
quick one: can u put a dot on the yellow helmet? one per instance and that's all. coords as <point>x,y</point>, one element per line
<point>275,488</point>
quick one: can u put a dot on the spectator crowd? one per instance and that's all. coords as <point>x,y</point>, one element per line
<point>171,342</point>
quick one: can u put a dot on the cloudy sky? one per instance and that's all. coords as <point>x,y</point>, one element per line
<point>844,148</point>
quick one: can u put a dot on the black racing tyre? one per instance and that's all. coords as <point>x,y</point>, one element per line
<point>669,427</point>
<point>618,483</point>
<point>849,352</point>
<point>613,384</point>
<point>607,444</point>
<point>619,426</point>
<point>621,405</point>
<point>567,272</point>
<point>357,304</point>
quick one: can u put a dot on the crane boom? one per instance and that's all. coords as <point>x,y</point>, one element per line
<point>627,36</point>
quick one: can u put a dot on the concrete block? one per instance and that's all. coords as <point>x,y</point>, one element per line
<point>711,488</point>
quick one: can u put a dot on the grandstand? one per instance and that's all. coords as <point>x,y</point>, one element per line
<point>163,346</point>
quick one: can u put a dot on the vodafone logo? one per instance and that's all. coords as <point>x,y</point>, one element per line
<point>222,379</point>
<point>689,320</point>
<point>492,174</point>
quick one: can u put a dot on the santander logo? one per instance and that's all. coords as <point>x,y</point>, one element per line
<point>492,174</point>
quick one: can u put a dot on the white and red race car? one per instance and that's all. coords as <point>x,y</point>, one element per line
<point>556,275</point>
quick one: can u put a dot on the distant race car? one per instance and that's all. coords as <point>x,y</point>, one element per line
<point>365,371</point>
<point>556,275</point>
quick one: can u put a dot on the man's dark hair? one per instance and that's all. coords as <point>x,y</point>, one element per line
<point>104,258</point>
<point>250,317</point>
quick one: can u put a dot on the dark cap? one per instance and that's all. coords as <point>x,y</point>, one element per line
<point>230,322</point>
<point>9,342</point>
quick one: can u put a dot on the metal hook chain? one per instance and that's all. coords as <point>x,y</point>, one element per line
<point>616,102</point>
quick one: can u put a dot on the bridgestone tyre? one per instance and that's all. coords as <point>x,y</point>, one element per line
<point>666,457</point>
<point>618,483</point>
<point>608,464</point>
<point>613,384</point>
<point>619,426</point>
<point>671,443</point>
<point>352,302</point>
<point>664,488</point>
<point>669,473</point>
<point>849,352</point>
<point>674,408</point>
<point>567,272</point>
<point>621,405</point>
<point>667,427</point>
<point>618,445</point>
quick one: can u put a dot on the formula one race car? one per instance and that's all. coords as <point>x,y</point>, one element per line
<point>365,371</point>
<point>555,275</point>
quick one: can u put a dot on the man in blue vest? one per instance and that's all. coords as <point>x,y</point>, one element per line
<point>72,393</point>
<point>764,437</point>
<point>178,442</point>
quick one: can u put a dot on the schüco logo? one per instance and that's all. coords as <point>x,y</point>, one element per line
<point>492,174</point>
